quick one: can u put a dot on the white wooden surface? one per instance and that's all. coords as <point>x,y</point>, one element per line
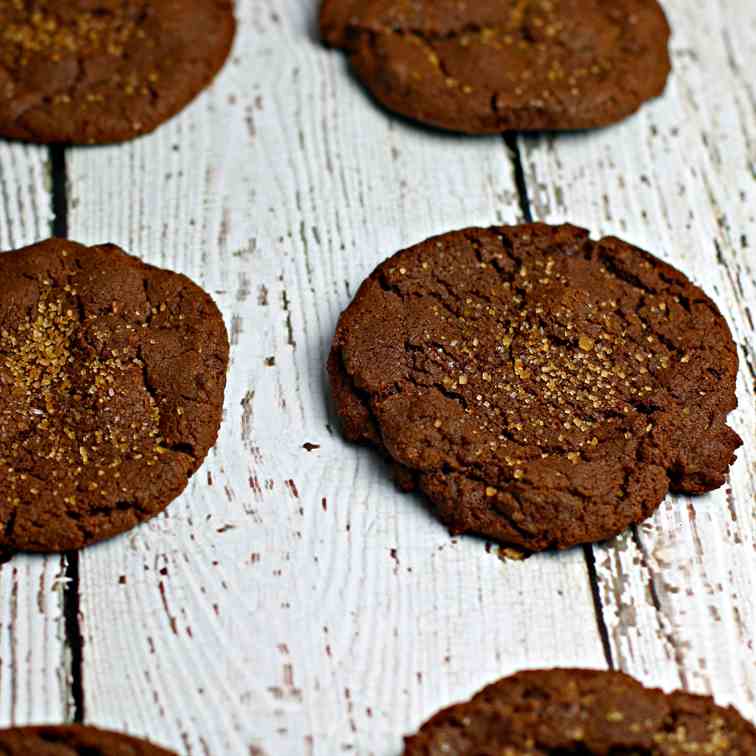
<point>34,667</point>
<point>680,593</point>
<point>292,602</point>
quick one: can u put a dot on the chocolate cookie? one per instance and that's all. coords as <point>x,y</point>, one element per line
<point>70,740</point>
<point>540,388</point>
<point>96,71</point>
<point>561,711</point>
<point>112,375</point>
<point>491,66</point>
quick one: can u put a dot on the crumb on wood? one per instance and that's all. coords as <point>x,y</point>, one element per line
<point>510,553</point>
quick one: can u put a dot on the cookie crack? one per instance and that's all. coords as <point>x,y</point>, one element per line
<point>510,489</point>
<point>405,296</point>
<point>10,524</point>
<point>621,274</point>
<point>423,35</point>
<point>435,56</point>
<point>449,394</point>
<point>506,276</point>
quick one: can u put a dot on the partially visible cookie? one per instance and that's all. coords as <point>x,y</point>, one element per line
<point>491,66</point>
<point>74,740</point>
<point>112,375</point>
<point>540,388</point>
<point>561,711</point>
<point>96,71</point>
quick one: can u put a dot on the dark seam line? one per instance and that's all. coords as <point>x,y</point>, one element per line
<point>511,139</point>
<point>590,563</point>
<point>74,640</point>
<point>59,191</point>
<point>71,599</point>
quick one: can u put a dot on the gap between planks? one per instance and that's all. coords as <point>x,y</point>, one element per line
<point>511,140</point>
<point>71,601</point>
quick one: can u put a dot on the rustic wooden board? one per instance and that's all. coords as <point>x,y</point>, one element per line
<point>34,678</point>
<point>34,661</point>
<point>293,601</point>
<point>679,593</point>
<point>25,195</point>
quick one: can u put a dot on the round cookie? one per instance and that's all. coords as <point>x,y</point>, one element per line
<point>540,388</point>
<point>492,66</point>
<point>69,740</point>
<point>112,375</point>
<point>98,71</point>
<point>561,711</point>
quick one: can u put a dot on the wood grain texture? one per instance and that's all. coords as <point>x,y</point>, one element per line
<point>292,602</point>
<point>25,200</point>
<point>34,662</point>
<point>679,592</point>
<point>34,678</point>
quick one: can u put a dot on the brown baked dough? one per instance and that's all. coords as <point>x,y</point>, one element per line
<point>574,711</point>
<point>540,388</point>
<point>482,66</point>
<point>96,71</point>
<point>112,375</point>
<point>73,740</point>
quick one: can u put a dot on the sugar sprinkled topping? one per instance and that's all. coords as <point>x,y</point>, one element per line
<point>80,411</point>
<point>543,369</point>
<point>48,37</point>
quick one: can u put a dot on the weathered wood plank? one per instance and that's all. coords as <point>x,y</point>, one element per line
<point>33,664</point>
<point>25,201</point>
<point>678,179</point>
<point>292,601</point>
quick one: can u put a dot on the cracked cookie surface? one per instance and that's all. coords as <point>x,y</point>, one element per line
<point>563,711</point>
<point>112,375</point>
<point>73,740</point>
<point>540,388</point>
<point>492,66</point>
<point>98,71</point>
